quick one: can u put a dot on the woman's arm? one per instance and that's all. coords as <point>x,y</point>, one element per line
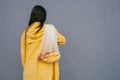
<point>22,46</point>
<point>60,38</point>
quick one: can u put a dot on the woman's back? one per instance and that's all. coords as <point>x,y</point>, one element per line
<point>34,69</point>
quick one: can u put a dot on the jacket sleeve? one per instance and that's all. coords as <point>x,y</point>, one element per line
<point>51,58</point>
<point>22,46</point>
<point>60,38</point>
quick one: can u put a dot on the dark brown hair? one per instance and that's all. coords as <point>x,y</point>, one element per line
<point>38,14</point>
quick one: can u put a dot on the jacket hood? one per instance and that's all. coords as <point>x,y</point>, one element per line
<point>32,36</point>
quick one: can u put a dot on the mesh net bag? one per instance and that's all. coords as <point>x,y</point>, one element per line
<point>49,41</point>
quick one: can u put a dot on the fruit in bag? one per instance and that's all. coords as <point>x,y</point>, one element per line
<point>41,56</point>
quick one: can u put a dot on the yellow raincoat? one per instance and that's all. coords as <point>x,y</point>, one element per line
<point>33,69</point>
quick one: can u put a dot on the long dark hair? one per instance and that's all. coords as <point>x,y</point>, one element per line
<point>38,14</point>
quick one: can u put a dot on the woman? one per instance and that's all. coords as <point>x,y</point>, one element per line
<point>35,66</point>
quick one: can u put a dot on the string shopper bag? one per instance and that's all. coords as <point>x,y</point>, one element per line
<point>49,43</point>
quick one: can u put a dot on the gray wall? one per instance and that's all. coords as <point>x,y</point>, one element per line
<point>91,27</point>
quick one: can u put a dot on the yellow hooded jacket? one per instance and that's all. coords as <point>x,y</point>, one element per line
<point>33,69</point>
